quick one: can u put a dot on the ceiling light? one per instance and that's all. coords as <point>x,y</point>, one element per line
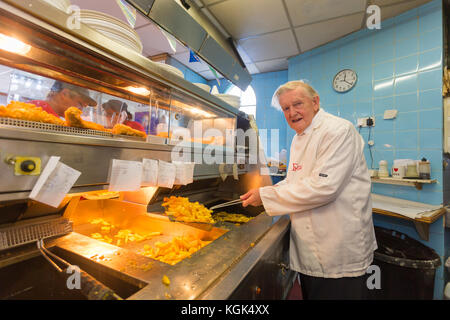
<point>13,45</point>
<point>138,90</point>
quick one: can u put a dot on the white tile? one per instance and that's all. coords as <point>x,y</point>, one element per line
<point>270,46</point>
<point>317,34</point>
<point>214,22</point>
<point>154,40</point>
<point>394,10</point>
<point>386,2</point>
<point>251,68</point>
<point>272,65</point>
<point>211,2</point>
<point>309,11</point>
<point>244,56</point>
<point>244,18</point>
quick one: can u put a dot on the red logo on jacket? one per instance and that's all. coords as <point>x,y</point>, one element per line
<point>296,167</point>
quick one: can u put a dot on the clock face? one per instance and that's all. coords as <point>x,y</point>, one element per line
<point>344,80</point>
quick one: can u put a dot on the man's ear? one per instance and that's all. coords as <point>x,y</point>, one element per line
<point>316,101</point>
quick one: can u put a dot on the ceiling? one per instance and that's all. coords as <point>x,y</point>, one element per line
<point>266,32</point>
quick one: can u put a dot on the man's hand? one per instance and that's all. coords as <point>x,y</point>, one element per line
<point>251,198</point>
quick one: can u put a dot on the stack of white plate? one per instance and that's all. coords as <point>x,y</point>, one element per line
<point>232,100</point>
<point>113,28</point>
<point>203,86</point>
<point>171,69</point>
<point>60,4</point>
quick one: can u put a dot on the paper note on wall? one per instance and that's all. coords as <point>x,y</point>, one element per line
<point>235,171</point>
<point>54,183</point>
<point>184,172</point>
<point>125,175</point>
<point>223,173</point>
<point>166,174</point>
<point>150,172</point>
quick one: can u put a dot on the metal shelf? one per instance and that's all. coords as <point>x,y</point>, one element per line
<point>422,224</point>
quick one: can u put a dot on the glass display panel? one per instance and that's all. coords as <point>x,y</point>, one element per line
<point>169,113</point>
<point>193,120</point>
<point>33,98</point>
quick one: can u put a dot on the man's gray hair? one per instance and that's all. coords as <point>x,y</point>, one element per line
<point>292,85</point>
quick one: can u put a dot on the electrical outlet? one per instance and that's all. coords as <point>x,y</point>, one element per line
<point>362,122</point>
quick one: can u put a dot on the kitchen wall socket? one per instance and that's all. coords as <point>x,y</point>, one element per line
<point>362,122</point>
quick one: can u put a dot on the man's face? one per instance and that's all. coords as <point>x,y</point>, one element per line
<point>113,114</point>
<point>73,99</point>
<point>298,108</point>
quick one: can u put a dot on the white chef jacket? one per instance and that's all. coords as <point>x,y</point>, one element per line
<point>327,194</point>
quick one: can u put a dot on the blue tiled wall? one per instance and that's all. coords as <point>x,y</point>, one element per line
<point>399,67</point>
<point>267,117</point>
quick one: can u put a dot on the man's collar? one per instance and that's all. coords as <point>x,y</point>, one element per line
<point>314,123</point>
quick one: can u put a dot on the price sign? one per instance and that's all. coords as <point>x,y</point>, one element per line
<point>184,172</point>
<point>54,183</point>
<point>150,172</point>
<point>125,175</point>
<point>166,174</point>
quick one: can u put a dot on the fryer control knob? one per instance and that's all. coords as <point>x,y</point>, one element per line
<point>28,166</point>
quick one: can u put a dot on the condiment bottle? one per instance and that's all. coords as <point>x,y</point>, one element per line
<point>383,171</point>
<point>411,170</point>
<point>424,169</point>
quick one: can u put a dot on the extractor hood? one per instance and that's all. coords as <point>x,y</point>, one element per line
<point>189,26</point>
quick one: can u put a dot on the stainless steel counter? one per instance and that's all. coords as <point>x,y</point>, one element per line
<point>214,272</point>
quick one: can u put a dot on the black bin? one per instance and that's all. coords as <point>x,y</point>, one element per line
<point>407,267</point>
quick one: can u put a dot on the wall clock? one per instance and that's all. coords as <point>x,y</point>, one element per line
<point>344,80</point>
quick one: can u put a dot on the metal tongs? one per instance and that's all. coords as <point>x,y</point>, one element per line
<point>227,204</point>
<point>89,287</point>
<point>206,226</point>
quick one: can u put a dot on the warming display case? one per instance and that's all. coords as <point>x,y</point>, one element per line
<point>74,94</point>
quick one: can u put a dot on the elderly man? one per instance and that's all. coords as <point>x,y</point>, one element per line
<point>327,195</point>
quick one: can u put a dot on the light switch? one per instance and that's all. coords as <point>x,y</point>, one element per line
<point>390,114</point>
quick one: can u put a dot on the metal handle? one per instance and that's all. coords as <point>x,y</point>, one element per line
<point>89,287</point>
<point>95,290</point>
<point>11,160</point>
<point>226,204</point>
